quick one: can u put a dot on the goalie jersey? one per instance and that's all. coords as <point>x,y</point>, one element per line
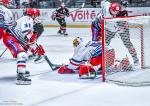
<point>84,53</point>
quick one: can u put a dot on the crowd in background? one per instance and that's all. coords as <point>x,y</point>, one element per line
<point>73,3</point>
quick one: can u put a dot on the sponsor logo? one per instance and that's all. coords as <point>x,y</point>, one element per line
<point>83,15</point>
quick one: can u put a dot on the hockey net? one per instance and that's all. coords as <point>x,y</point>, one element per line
<point>128,63</point>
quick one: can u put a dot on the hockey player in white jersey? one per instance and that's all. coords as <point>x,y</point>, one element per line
<point>31,29</point>
<point>10,40</point>
<point>111,10</point>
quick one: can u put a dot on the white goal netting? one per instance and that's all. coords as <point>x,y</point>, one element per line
<point>129,63</point>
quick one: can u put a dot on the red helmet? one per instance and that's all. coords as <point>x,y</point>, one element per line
<point>115,8</point>
<point>5,2</point>
<point>30,11</point>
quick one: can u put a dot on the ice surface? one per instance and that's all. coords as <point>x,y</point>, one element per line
<point>52,89</point>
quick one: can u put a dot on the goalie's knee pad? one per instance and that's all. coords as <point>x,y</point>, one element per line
<point>85,70</point>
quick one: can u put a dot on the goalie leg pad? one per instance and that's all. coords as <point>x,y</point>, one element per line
<point>65,70</point>
<point>96,61</point>
<point>86,70</point>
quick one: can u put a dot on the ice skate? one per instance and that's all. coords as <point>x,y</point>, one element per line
<point>22,80</point>
<point>65,34</point>
<point>59,32</point>
<point>26,74</point>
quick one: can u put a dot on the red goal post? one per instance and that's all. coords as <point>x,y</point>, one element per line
<point>123,34</point>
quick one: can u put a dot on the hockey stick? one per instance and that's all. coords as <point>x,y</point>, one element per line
<point>52,66</point>
<point>83,4</point>
<point>3,52</point>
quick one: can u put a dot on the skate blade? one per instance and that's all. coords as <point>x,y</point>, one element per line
<point>23,82</point>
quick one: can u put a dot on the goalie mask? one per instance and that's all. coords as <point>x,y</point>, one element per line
<point>77,41</point>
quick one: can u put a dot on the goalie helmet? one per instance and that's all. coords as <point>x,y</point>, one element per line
<point>77,41</point>
<point>114,8</point>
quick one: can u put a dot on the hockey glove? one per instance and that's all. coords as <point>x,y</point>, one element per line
<point>39,50</point>
<point>33,39</point>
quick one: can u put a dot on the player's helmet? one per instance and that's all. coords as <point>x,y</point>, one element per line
<point>5,2</point>
<point>63,4</point>
<point>114,8</point>
<point>77,41</point>
<point>30,11</point>
<point>124,3</point>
